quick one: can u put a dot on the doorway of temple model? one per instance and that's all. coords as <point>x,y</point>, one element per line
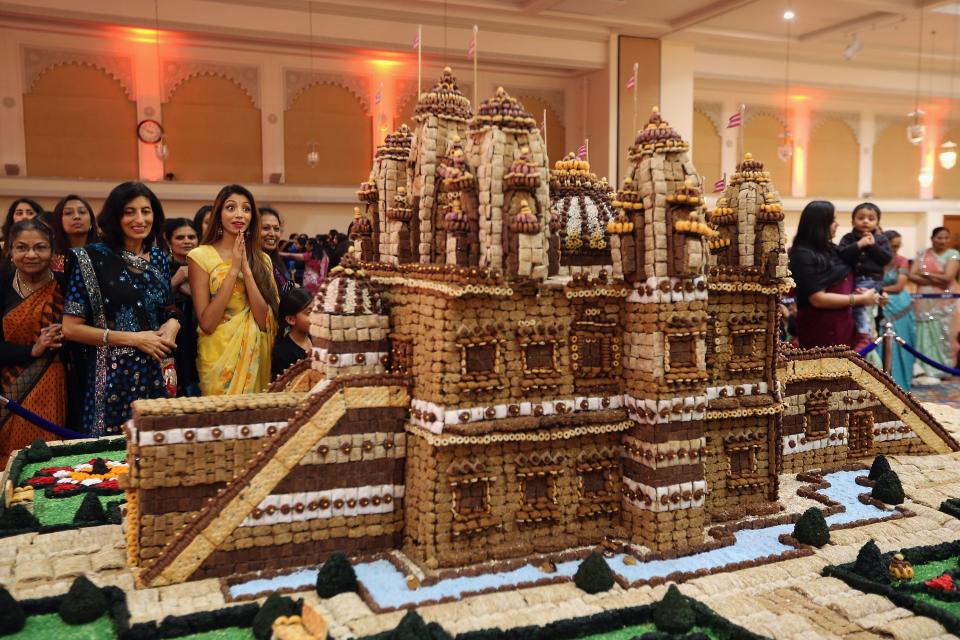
<point>860,435</point>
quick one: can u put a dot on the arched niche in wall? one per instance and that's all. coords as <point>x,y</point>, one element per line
<point>79,123</point>
<point>707,149</point>
<point>946,183</point>
<point>896,163</point>
<point>213,130</point>
<point>761,137</point>
<point>833,162</point>
<point>337,121</point>
<point>556,130</point>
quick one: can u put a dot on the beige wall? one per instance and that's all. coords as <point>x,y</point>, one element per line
<point>79,123</point>
<point>834,161</point>
<point>761,137</point>
<point>556,131</point>
<point>645,51</point>
<point>706,151</point>
<point>213,132</point>
<point>896,164</point>
<point>335,119</point>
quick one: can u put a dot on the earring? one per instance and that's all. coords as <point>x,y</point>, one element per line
<point>220,232</point>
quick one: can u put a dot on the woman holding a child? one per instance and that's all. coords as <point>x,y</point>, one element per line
<point>826,294</point>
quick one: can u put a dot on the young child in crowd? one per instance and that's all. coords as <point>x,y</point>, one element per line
<point>868,251</point>
<point>295,343</point>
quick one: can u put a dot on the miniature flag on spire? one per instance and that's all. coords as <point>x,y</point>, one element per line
<point>720,185</point>
<point>416,41</point>
<point>582,151</point>
<point>632,81</point>
<point>472,48</point>
<point>735,120</point>
<point>379,97</point>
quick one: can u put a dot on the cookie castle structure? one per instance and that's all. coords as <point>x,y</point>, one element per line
<point>470,406</point>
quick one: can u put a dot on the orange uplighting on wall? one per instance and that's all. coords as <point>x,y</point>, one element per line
<point>381,68</point>
<point>800,127</point>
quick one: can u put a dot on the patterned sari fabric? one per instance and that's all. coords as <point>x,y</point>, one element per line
<point>235,358</point>
<point>898,312</point>
<point>934,317</point>
<point>38,384</point>
<point>122,292</point>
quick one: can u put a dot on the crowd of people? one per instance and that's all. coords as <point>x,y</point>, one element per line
<point>847,292</point>
<point>130,305</point>
<point>127,304</point>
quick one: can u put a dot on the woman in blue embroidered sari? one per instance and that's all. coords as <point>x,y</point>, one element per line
<point>119,304</point>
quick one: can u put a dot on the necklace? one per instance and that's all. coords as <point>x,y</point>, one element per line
<point>24,291</point>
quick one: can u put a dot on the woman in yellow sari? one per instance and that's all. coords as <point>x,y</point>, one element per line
<point>235,298</point>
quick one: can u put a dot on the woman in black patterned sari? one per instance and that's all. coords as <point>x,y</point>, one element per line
<point>119,303</point>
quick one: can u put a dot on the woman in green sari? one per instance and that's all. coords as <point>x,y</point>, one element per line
<point>898,311</point>
<point>934,271</point>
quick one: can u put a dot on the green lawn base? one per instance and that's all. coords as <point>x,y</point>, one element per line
<point>50,625</point>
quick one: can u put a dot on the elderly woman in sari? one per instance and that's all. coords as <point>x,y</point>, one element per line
<point>31,372</point>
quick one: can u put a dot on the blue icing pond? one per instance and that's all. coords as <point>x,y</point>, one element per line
<point>388,587</point>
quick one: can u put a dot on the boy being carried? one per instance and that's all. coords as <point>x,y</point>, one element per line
<point>868,251</point>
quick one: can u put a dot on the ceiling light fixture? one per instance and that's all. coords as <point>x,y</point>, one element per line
<point>854,48</point>
<point>948,150</point>
<point>789,14</point>
<point>916,129</point>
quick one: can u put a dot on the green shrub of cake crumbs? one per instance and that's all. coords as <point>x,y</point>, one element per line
<point>84,602</point>
<point>90,511</point>
<point>12,618</point>
<point>17,517</point>
<point>273,607</point>
<point>812,528</point>
<point>39,451</point>
<point>879,467</point>
<point>870,564</point>
<point>336,576</point>
<point>594,575</point>
<point>674,614</point>
<point>888,489</point>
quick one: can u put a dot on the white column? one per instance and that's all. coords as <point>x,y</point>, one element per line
<point>676,86</point>
<point>613,135</point>
<point>271,118</point>
<point>728,139</point>
<point>13,148</point>
<point>867,137</point>
<point>149,105</point>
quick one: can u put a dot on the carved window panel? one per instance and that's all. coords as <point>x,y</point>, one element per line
<point>481,363</point>
<point>741,461</point>
<point>595,353</point>
<point>597,480</point>
<point>683,352</point>
<point>816,414</point>
<point>860,432</point>
<point>743,457</point>
<point>480,358</point>
<point>541,357</point>
<point>471,497</point>
<point>538,494</point>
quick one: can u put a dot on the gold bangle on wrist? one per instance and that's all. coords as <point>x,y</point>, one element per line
<point>851,300</point>
<point>106,337</point>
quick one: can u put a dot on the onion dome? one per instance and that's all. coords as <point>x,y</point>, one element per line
<point>626,201</point>
<point>368,190</point>
<point>361,224</point>
<point>688,195</point>
<point>504,112</point>
<point>722,213</point>
<point>750,170</point>
<point>525,221</point>
<point>523,173</point>
<point>454,217</point>
<point>656,136</point>
<point>346,292</point>
<point>444,100</point>
<point>581,207</point>
<point>401,209</point>
<point>454,173</point>
<point>397,144</point>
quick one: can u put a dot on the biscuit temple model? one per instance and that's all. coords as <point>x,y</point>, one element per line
<point>516,361</point>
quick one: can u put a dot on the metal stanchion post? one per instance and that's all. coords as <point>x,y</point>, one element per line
<point>888,336</point>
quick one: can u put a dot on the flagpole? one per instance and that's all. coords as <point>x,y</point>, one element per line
<point>419,59</point>
<point>587,144</point>
<point>743,108</point>
<point>545,132</point>
<point>476,51</point>
<point>636,69</point>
